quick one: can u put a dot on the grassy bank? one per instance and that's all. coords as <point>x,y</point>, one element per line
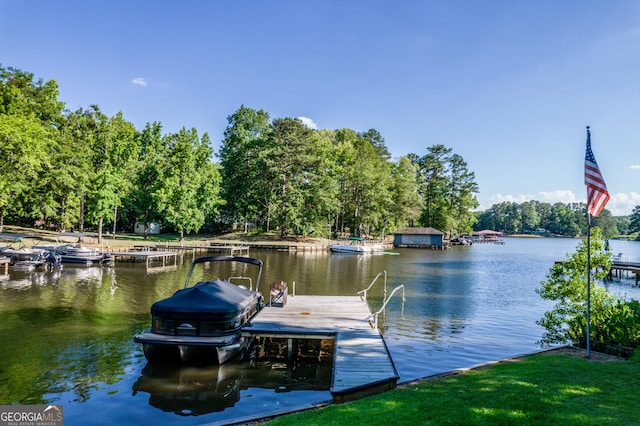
<point>126,240</point>
<point>554,388</point>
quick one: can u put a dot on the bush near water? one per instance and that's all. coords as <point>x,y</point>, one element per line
<point>614,322</point>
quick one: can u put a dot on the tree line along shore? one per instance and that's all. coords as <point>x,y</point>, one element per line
<point>86,170</point>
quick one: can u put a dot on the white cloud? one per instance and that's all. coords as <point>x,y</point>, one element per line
<point>622,204</point>
<point>308,122</point>
<point>635,167</point>
<point>139,81</point>
<point>508,198</point>
<point>560,196</point>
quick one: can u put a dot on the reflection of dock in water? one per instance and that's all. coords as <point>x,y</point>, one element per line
<point>198,390</point>
<point>160,269</point>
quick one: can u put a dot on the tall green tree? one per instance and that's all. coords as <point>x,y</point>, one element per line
<point>321,195</point>
<point>242,161</point>
<point>23,157</point>
<point>69,180</point>
<point>371,185</point>
<point>30,113</point>
<point>406,202</point>
<point>448,189</point>
<point>462,199</point>
<point>634,225</point>
<point>434,182</point>
<point>152,158</point>
<point>377,141</point>
<point>115,146</point>
<point>21,94</point>
<point>606,222</point>
<point>189,186</point>
<point>364,184</point>
<point>291,162</point>
<point>530,216</point>
<point>345,157</point>
<point>563,220</point>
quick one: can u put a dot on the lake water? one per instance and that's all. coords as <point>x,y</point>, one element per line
<point>67,335</point>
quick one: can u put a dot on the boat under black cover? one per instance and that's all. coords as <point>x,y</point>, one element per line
<point>202,323</point>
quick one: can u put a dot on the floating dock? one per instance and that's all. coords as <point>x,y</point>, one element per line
<point>146,256</point>
<point>362,365</point>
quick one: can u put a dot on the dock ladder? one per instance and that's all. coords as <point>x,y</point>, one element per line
<point>385,300</point>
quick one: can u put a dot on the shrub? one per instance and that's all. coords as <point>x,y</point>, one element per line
<point>614,322</point>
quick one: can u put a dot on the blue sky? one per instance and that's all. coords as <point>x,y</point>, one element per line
<point>508,85</point>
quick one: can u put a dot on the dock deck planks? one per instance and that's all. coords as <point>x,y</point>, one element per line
<point>361,360</point>
<point>146,256</point>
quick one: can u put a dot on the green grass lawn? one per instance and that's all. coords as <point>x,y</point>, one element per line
<point>540,389</point>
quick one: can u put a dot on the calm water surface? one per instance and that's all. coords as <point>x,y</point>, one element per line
<point>67,335</point>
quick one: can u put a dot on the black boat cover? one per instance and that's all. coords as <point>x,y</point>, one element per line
<point>216,300</point>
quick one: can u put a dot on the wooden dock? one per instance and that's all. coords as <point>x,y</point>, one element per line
<point>146,256</point>
<point>618,268</point>
<point>362,364</point>
<point>230,250</point>
<point>5,261</point>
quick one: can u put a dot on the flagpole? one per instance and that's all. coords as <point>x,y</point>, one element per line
<point>588,284</point>
<point>597,198</point>
<point>588,264</point>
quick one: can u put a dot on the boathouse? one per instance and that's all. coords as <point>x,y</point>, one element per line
<point>488,236</point>
<point>419,238</point>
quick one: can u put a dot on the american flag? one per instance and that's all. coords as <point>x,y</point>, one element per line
<point>597,194</point>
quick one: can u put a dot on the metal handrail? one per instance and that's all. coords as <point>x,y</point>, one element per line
<point>250,260</point>
<point>375,315</point>
<point>361,292</point>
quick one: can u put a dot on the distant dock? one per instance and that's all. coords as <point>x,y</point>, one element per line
<point>231,250</point>
<point>622,269</point>
<point>619,268</point>
<point>145,256</point>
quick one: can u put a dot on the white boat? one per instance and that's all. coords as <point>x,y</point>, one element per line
<point>349,248</point>
<point>76,252</point>
<point>23,257</point>
<point>355,245</point>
